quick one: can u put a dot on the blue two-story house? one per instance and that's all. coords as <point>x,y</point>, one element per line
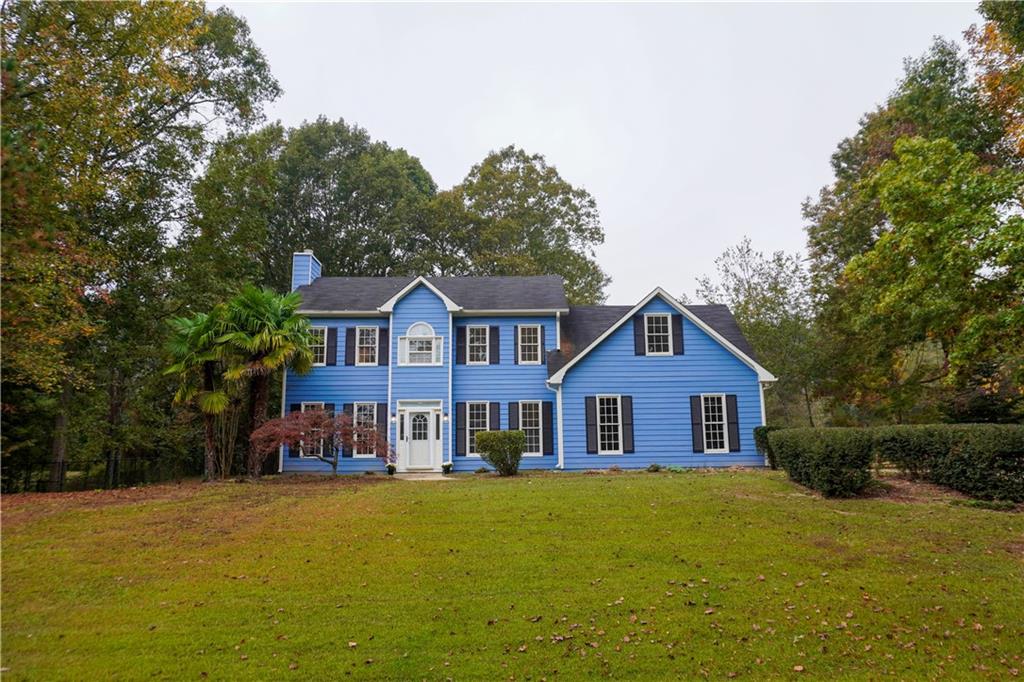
<point>433,361</point>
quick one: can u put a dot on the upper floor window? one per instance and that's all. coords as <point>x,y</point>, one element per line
<point>716,438</point>
<point>659,334</point>
<point>366,345</point>
<point>609,425</point>
<point>319,345</point>
<point>529,344</point>
<point>420,346</point>
<point>477,345</point>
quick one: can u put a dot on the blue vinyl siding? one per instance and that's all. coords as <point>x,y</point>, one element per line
<point>421,383</point>
<point>505,382</point>
<point>338,384</point>
<point>661,388</point>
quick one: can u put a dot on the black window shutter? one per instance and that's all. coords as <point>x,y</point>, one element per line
<point>383,347</point>
<point>460,347</point>
<point>733,419</point>
<point>494,339</point>
<point>350,345</point>
<point>543,352</point>
<point>382,420</point>
<point>547,418</point>
<point>515,345</point>
<point>494,418</point>
<point>328,443</point>
<point>513,416</point>
<point>332,345</point>
<point>590,402</point>
<point>460,429</point>
<point>697,423</point>
<point>677,334</point>
<point>639,336</point>
<point>626,405</point>
<point>347,410</point>
<point>294,407</point>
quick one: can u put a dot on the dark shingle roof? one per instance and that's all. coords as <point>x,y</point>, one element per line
<point>584,324</point>
<point>366,294</point>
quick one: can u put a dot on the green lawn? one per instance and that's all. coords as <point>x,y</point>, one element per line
<point>541,577</point>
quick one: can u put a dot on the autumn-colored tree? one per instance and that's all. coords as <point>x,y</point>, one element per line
<point>997,48</point>
<point>319,434</point>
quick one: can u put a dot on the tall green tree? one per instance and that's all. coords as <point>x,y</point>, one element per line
<point>515,215</point>
<point>266,335</point>
<point>110,106</point>
<point>770,297</point>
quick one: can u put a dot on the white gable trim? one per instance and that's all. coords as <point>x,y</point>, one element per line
<point>762,373</point>
<point>449,304</point>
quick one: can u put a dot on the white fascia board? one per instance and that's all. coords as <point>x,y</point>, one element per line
<point>449,304</point>
<point>762,374</point>
<point>339,313</point>
<point>504,312</point>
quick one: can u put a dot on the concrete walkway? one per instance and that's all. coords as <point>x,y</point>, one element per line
<point>424,477</point>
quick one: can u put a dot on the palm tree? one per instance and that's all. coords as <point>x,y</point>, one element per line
<point>197,362</point>
<point>267,334</point>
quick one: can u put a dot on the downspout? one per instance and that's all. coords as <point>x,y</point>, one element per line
<point>447,406</point>
<point>764,421</point>
<point>558,421</point>
<point>392,339</point>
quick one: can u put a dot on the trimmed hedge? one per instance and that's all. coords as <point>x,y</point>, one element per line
<point>764,447</point>
<point>503,450</point>
<point>834,461</point>
<point>985,461</point>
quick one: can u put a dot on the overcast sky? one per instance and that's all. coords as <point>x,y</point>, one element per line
<point>692,125</point>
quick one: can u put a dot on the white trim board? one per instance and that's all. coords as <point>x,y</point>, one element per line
<point>762,374</point>
<point>389,305</point>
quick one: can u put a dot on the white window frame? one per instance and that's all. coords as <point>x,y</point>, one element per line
<point>469,421</point>
<point>724,450</point>
<point>436,348</point>
<point>540,426</point>
<point>376,342</point>
<point>618,401</point>
<point>668,326</point>
<point>355,423</point>
<point>487,344</point>
<point>323,336</point>
<point>313,405</point>
<point>519,340</point>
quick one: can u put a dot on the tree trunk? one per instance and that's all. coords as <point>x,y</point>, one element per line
<point>60,439</point>
<point>807,402</point>
<point>260,393</point>
<point>113,423</point>
<point>209,425</point>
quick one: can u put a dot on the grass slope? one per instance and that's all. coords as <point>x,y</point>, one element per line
<point>545,576</point>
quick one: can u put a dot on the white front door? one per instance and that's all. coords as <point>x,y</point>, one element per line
<point>420,443</point>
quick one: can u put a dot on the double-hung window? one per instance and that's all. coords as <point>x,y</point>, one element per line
<point>659,334</point>
<point>420,346</point>
<point>477,420</point>
<point>477,345</point>
<point>609,425</point>
<point>316,446</point>
<point>366,345</point>
<point>319,345</point>
<point>530,424</point>
<point>716,437</point>
<point>364,420</point>
<point>529,344</point>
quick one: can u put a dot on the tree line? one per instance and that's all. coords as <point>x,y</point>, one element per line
<point>142,186</point>
<point>909,304</point>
